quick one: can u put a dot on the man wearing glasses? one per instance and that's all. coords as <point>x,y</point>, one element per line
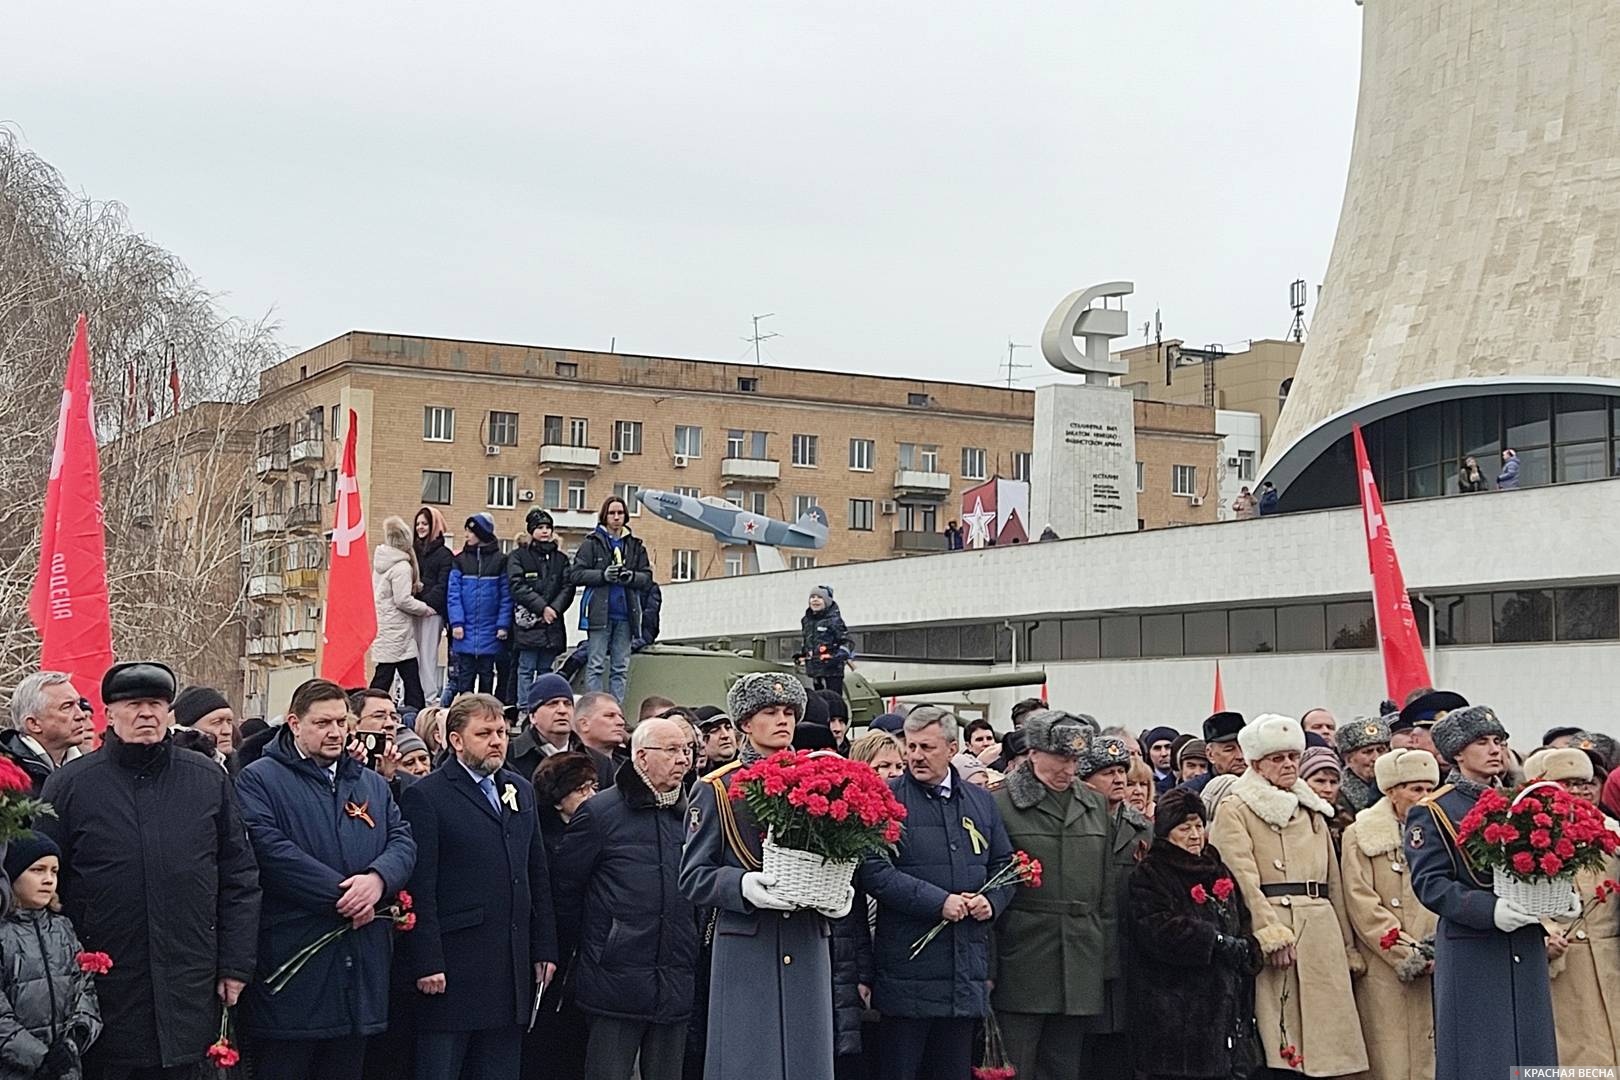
<point>619,902</point>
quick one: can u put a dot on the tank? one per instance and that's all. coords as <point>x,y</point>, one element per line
<point>696,676</point>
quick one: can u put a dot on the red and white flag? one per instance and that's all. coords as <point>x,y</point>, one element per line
<point>349,620</point>
<point>1220,691</point>
<point>1405,667</point>
<point>68,604</point>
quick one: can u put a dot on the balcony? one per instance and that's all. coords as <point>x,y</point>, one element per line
<point>560,456</point>
<point>306,517</point>
<point>915,483</point>
<point>750,470</point>
<point>310,450</point>
<point>262,646</point>
<point>573,520</point>
<point>301,581</point>
<point>264,585</point>
<point>270,461</point>
<point>907,541</point>
<point>268,524</point>
<point>298,642</point>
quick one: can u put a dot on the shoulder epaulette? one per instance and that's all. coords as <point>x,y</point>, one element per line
<point>721,771</point>
<point>1435,794</point>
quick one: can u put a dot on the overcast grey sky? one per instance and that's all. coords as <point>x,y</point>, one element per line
<point>905,184</point>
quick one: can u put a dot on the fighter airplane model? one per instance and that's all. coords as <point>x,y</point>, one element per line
<point>733,525</point>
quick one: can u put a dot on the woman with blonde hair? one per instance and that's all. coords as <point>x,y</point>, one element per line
<point>880,750</point>
<point>395,581</point>
<point>429,725</point>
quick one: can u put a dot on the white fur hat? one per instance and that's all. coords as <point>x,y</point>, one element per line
<point>1405,766</point>
<point>1269,733</point>
<point>1552,763</point>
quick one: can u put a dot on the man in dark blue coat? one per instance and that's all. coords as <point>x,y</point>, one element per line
<point>954,841</point>
<point>621,915</point>
<point>1492,1002</point>
<point>331,847</point>
<point>485,940</point>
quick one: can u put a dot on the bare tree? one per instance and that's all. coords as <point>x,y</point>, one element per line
<point>176,484</point>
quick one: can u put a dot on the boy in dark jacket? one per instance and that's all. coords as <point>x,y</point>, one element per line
<point>538,576</point>
<point>827,644</point>
<point>612,565</point>
<point>480,605</point>
<point>48,1010</point>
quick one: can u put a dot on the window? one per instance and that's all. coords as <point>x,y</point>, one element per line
<point>802,562</point>
<point>502,492</point>
<point>331,485</point>
<point>551,494</point>
<point>627,436</point>
<point>1204,633</point>
<point>747,384</point>
<point>1352,625</point>
<point>1184,480</point>
<point>1245,464</point>
<point>1525,615</point>
<point>918,517</point>
<point>567,369</point>
<point>916,400</point>
<point>860,455</point>
<point>335,420</point>
<point>578,431</point>
<point>683,565</point>
<point>805,448</point>
<point>973,463</point>
<point>747,445</point>
<point>628,493</point>
<point>1162,635</point>
<point>756,502</point>
<point>1253,630</point>
<point>438,424</point>
<point>551,431</point>
<point>1458,620</point>
<point>918,457</point>
<point>688,440</point>
<point>803,504</point>
<point>734,565</point>
<point>860,515</point>
<point>503,428</point>
<point>1300,628</point>
<point>1141,477</point>
<point>1588,614</point>
<point>689,492</point>
<point>1021,461</point>
<point>1121,636</point>
<point>576,495</point>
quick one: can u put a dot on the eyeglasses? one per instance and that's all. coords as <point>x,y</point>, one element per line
<point>683,750</point>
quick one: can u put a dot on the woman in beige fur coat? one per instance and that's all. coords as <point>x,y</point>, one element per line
<point>1272,830</point>
<point>1584,965</point>
<point>1394,996</point>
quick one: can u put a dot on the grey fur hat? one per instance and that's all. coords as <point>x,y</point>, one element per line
<point>1360,732</point>
<point>1459,727</point>
<point>1054,732</point>
<point>1102,752</point>
<point>757,689</point>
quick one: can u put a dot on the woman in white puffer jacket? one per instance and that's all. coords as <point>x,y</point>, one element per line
<point>394,584</point>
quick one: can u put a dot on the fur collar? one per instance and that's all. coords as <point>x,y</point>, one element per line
<point>1273,805</point>
<point>1025,789</point>
<point>1377,831</point>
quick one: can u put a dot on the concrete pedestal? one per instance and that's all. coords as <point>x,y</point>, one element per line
<point>1083,476</point>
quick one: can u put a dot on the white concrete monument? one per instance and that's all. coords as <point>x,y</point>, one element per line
<point>1083,476</point>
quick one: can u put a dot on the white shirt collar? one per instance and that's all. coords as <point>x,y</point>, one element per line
<point>331,770</point>
<point>945,785</point>
<point>34,745</point>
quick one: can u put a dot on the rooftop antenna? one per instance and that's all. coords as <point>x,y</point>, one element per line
<point>758,337</point>
<point>1008,363</point>
<point>1297,292</point>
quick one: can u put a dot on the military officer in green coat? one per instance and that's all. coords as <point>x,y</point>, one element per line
<point>1051,948</point>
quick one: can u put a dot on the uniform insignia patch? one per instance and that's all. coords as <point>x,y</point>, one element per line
<point>1372,729</point>
<point>1116,751</point>
<point>1078,744</point>
<point>1414,836</point>
<point>692,819</point>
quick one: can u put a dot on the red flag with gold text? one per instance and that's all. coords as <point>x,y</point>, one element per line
<point>1405,667</point>
<point>349,619</point>
<point>68,603</point>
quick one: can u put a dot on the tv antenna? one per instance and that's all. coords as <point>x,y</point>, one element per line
<point>1297,294</point>
<point>757,336</point>
<point>1008,363</point>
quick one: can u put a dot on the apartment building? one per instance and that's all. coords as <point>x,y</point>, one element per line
<point>473,427</point>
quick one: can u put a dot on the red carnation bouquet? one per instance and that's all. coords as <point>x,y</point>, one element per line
<point>822,813</point>
<point>18,807</point>
<point>1535,843</point>
<point>1021,869</point>
<point>398,912</point>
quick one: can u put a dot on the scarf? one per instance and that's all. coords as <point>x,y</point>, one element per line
<point>663,800</point>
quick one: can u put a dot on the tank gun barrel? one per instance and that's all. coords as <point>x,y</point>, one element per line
<point>989,680</point>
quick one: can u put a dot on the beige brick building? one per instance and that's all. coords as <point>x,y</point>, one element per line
<point>1255,380</point>
<point>481,427</point>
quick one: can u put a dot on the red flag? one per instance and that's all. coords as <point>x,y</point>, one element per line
<point>174,380</point>
<point>1220,693</point>
<point>1405,668</point>
<point>349,621</point>
<point>68,603</point>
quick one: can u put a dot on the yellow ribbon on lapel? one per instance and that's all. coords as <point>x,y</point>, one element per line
<point>979,842</point>
<point>509,797</point>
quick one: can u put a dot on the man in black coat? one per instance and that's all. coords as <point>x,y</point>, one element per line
<point>621,913</point>
<point>538,575</point>
<point>157,873</point>
<point>485,939</point>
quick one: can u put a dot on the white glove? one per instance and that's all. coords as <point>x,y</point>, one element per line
<point>1575,905</point>
<point>756,890</point>
<point>1509,917</point>
<point>842,909</point>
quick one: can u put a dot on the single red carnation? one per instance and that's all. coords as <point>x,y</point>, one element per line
<point>405,901</point>
<point>1544,820</point>
<point>1223,888</point>
<point>1540,839</point>
<point>1391,936</point>
<point>1565,849</point>
<point>1551,864</point>
<point>96,963</point>
<point>406,922</point>
<point>1200,895</point>
<point>223,1055</point>
<point>1523,862</point>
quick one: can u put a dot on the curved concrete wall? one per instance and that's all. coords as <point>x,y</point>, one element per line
<point>1480,232</point>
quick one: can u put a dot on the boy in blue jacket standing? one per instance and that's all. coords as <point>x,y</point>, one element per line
<point>480,603</point>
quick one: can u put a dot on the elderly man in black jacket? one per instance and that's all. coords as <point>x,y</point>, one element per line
<point>158,874</point>
<point>953,843</point>
<point>621,912</point>
<point>484,941</point>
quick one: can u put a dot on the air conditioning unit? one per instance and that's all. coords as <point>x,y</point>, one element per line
<point>615,456</point>
<point>492,450</point>
<point>1196,500</point>
<point>1232,462</point>
<point>680,461</point>
<point>526,495</point>
<point>889,506</point>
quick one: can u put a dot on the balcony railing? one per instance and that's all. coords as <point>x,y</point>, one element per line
<point>307,516</point>
<point>263,585</point>
<point>917,483</point>
<point>268,524</point>
<point>906,540</point>
<point>561,456</point>
<point>301,581</point>
<point>573,520</point>
<point>262,646</point>
<point>751,470</point>
<point>308,450</point>
<point>299,641</point>
<point>270,461</point>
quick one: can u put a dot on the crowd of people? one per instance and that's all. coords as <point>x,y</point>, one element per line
<point>1264,896</point>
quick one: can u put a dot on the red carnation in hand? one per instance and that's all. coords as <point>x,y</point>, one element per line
<point>405,901</point>
<point>223,1055</point>
<point>1200,895</point>
<point>406,922</point>
<point>96,963</point>
<point>1223,889</point>
<point>1391,936</point>
<point>1551,864</point>
<point>1524,862</point>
